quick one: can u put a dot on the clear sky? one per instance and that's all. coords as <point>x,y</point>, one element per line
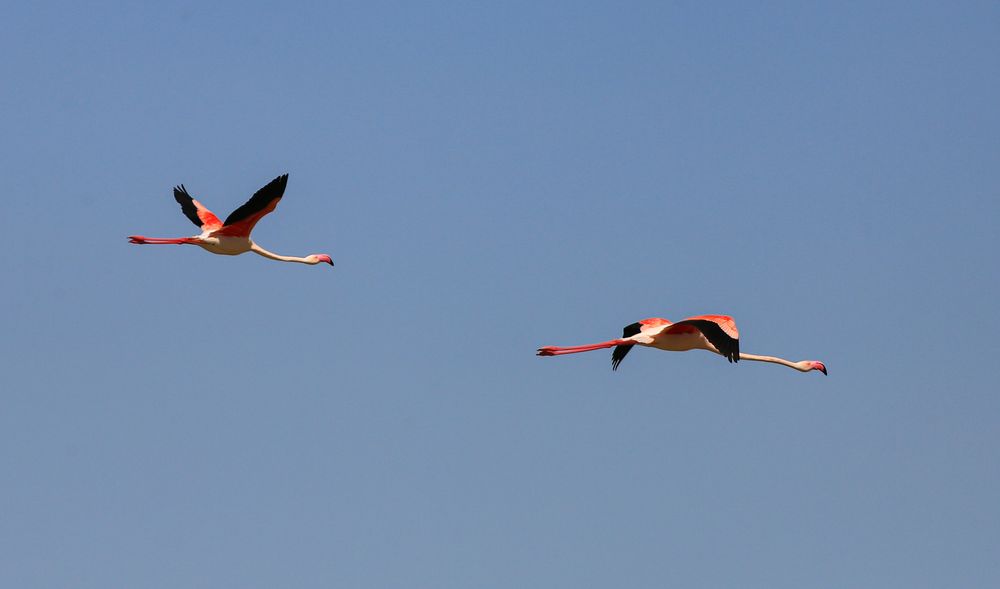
<point>489,179</point>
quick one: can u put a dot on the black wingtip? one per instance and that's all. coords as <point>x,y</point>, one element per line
<point>618,354</point>
<point>187,204</point>
<point>271,191</point>
<point>280,183</point>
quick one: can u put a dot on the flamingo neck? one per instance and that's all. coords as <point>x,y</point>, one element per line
<point>775,360</point>
<point>273,256</point>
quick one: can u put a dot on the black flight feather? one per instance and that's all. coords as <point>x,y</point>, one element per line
<point>713,332</point>
<point>618,354</point>
<point>260,199</point>
<point>187,207</point>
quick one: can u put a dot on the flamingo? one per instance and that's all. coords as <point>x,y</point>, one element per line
<point>232,237</point>
<point>715,333</point>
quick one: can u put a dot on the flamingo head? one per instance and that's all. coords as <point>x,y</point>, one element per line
<point>320,258</point>
<point>816,365</point>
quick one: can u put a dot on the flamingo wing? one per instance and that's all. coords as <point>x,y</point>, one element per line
<point>620,351</point>
<point>195,211</point>
<point>241,221</point>
<point>719,330</point>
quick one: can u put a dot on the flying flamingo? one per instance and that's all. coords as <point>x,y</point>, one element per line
<point>715,333</point>
<point>232,237</point>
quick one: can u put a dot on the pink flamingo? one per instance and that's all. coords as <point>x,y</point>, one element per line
<point>232,237</point>
<point>715,333</point>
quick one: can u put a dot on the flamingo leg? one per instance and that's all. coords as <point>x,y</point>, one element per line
<point>140,240</point>
<point>559,351</point>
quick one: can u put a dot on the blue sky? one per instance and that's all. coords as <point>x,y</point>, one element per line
<point>489,179</point>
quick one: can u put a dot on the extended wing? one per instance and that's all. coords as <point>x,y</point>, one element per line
<point>650,326</point>
<point>719,330</point>
<point>620,351</point>
<point>195,211</point>
<point>241,221</point>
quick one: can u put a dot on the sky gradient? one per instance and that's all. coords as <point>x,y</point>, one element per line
<point>489,179</point>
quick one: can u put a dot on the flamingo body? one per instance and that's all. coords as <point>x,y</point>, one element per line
<point>226,245</point>
<point>715,333</point>
<point>682,342</point>
<point>232,237</point>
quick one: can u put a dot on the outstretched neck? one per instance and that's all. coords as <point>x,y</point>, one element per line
<point>263,252</point>
<point>775,360</point>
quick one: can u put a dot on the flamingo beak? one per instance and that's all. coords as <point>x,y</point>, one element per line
<point>325,258</point>
<point>821,367</point>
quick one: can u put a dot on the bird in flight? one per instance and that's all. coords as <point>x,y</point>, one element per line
<point>232,237</point>
<point>715,333</point>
